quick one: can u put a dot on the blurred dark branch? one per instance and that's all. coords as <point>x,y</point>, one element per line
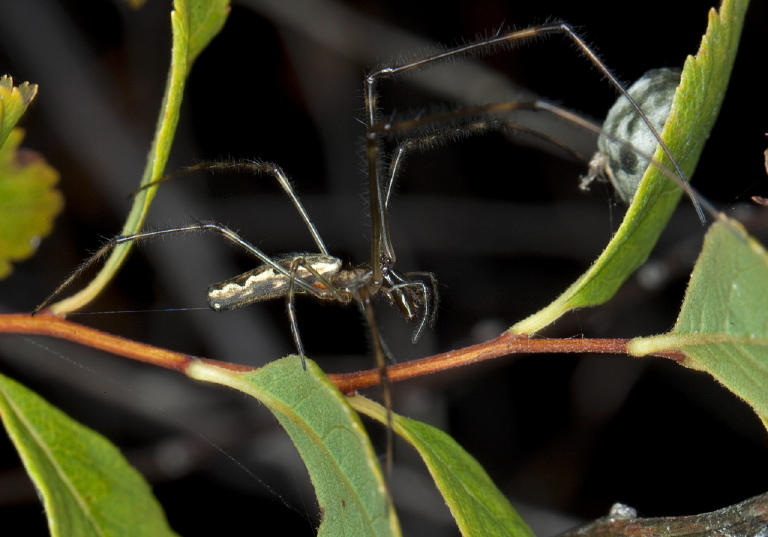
<point>746,519</point>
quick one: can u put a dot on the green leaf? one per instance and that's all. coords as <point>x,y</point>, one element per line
<point>87,486</point>
<point>329,437</point>
<point>206,19</point>
<point>13,103</point>
<point>694,111</point>
<point>478,507</point>
<point>723,324</point>
<point>29,200</point>
<point>193,28</point>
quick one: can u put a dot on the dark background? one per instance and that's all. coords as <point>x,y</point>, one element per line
<point>502,224</point>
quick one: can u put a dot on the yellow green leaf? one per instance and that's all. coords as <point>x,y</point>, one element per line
<point>478,507</point>
<point>328,435</point>
<point>86,485</point>
<point>193,24</point>
<point>206,19</point>
<point>723,324</point>
<point>694,111</point>
<point>14,101</point>
<point>29,201</point>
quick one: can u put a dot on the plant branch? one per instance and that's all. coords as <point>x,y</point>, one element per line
<point>504,345</point>
<point>746,519</point>
<point>57,327</point>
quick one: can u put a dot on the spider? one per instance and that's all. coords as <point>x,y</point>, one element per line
<point>414,294</point>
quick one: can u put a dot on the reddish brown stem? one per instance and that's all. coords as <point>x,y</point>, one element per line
<point>57,327</point>
<point>505,344</point>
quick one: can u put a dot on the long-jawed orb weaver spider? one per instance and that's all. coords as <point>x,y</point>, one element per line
<point>324,276</point>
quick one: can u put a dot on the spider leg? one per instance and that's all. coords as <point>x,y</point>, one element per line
<point>330,291</point>
<point>199,227</point>
<point>429,301</point>
<point>254,167</point>
<point>363,297</point>
<point>381,249</point>
<point>476,127</point>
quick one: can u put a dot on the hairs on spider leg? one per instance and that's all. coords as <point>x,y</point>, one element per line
<point>439,138</point>
<point>203,226</point>
<point>430,125</point>
<point>511,40</point>
<point>255,167</point>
